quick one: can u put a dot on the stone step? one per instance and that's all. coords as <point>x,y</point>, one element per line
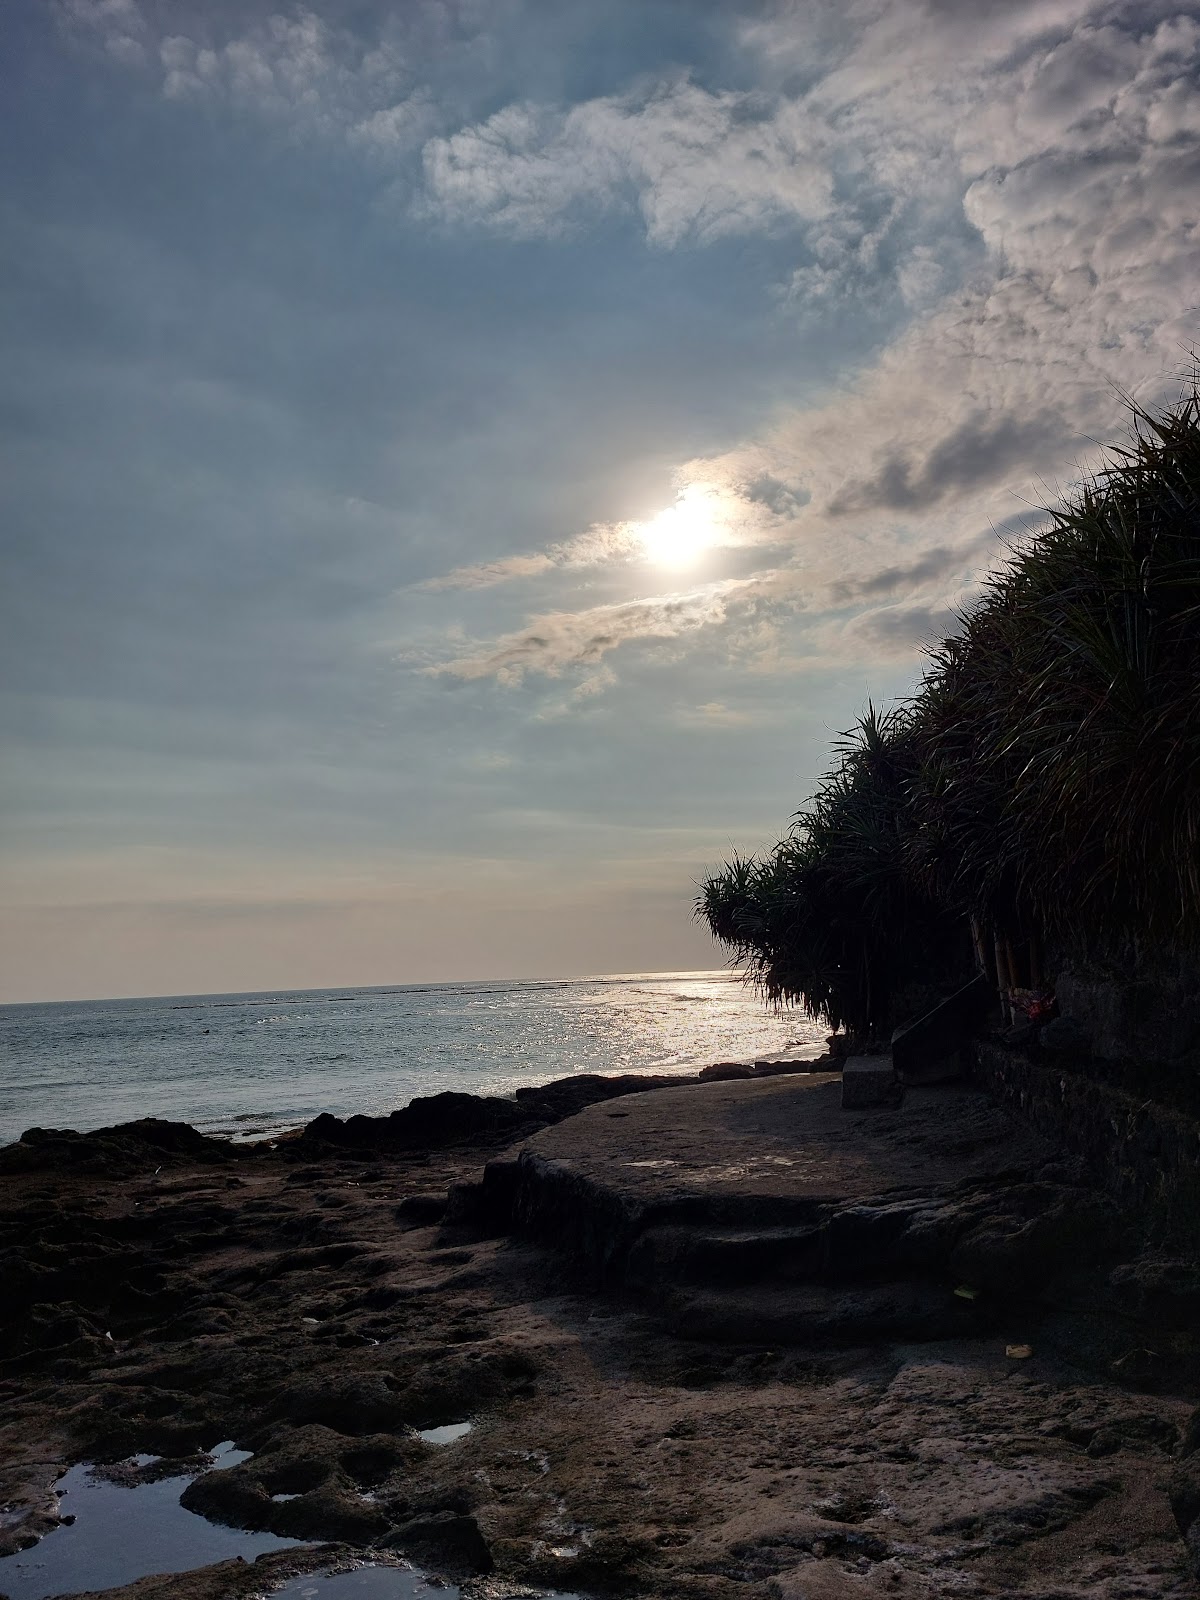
<point>839,1244</point>
<point>723,1255</point>
<point>821,1316</point>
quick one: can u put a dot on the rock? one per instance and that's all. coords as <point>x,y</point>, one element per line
<point>421,1209</point>
<point>449,1539</point>
<point>440,1121</point>
<point>1123,1433</point>
<point>775,1069</point>
<point>820,1315</point>
<point>231,1495</point>
<point>1165,1291</point>
<point>726,1071</point>
<point>127,1147</point>
<point>1065,1037</point>
<point>362,1404</point>
<point>1190,1442</point>
<point>1183,1490</point>
<point>1049,1232</point>
<point>1023,1035</point>
<point>868,1081</point>
<point>333,1511</point>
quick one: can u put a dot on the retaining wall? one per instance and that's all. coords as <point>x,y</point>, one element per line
<point>1144,1153</point>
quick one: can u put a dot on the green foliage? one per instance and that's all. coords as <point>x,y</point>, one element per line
<point>1059,733</point>
<point>1045,775</point>
<point>832,918</point>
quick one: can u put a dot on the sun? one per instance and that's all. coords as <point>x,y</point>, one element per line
<point>682,533</point>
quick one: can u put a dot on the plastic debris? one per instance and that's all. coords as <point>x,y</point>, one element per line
<point>1018,1352</point>
<point>965,1292</point>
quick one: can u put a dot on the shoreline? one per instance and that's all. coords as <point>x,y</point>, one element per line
<point>272,1063</point>
<point>320,1300</point>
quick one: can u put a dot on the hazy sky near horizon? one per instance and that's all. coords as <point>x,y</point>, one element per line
<point>464,460</point>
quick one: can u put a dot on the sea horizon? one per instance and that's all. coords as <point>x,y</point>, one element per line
<point>255,1063</point>
<point>378,988</point>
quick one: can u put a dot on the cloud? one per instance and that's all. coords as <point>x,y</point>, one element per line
<point>940,564</point>
<point>1078,170</point>
<point>729,516</point>
<point>783,499</point>
<point>1010,192</point>
<point>695,164</point>
<point>979,450</point>
<point>552,643</point>
<point>290,65</point>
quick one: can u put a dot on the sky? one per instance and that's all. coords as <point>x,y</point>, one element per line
<point>465,461</point>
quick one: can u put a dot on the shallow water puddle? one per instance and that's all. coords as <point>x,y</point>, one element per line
<point>446,1434</point>
<point>364,1583</point>
<point>375,1583</point>
<point>121,1533</point>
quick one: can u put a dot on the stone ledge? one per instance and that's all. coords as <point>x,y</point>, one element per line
<point>868,1081</point>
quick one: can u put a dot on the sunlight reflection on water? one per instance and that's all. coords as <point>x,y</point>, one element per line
<point>275,1060</point>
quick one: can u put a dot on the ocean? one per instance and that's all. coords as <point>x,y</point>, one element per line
<point>250,1065</point>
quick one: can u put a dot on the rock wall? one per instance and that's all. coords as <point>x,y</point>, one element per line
<point>1144,1013</point>
<point>1143,1152</point>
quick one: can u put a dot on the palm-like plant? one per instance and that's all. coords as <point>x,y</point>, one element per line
<point>1059,733</point>
<point>1045,775</point>
<point>832,918</point>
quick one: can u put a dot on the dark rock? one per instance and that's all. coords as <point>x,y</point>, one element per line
<point>421,1209</point>
<point>1183,1490</point>
<point>331,1512</point>
<point>1063,1036</point>
<point>725,1071</point>
<point>1166,1292</point>
<point>127,1147</point>
<point>438,1121</point>
<point>352,1405</point>
<point>1048,1233</point>
<point>1190,1441</point>
<point>776,1069</point>
<point>1022,1036</point>
<point>820,1315</point>
<point>1148,1012</point>
<point>231,1495</point>
<point>445,1539</point>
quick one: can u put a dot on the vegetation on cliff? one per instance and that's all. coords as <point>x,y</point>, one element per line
<point>1043,781</point>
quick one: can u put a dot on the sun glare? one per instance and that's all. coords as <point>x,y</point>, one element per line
<point>679,535</point>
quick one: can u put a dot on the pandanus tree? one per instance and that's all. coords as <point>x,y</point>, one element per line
<point>1045,776</point>
<point>1059,733</point>
<point>832,918</point>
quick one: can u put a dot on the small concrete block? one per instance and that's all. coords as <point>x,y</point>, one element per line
<point>867,1081</point>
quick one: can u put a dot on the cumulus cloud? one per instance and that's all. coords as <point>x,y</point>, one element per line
<point>291,65</point>
<point>696,164</point>
<point>1012,189</point>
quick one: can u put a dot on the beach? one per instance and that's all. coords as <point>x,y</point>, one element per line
<point>665,1396</point>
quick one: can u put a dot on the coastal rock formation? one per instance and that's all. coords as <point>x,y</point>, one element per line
<point>722,1377</point>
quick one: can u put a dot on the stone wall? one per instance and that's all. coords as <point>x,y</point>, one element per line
<point>1136,1011</point>
<point>1145,1153</point>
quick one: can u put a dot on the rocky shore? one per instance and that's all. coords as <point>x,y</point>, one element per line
<point>713,1340</point>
